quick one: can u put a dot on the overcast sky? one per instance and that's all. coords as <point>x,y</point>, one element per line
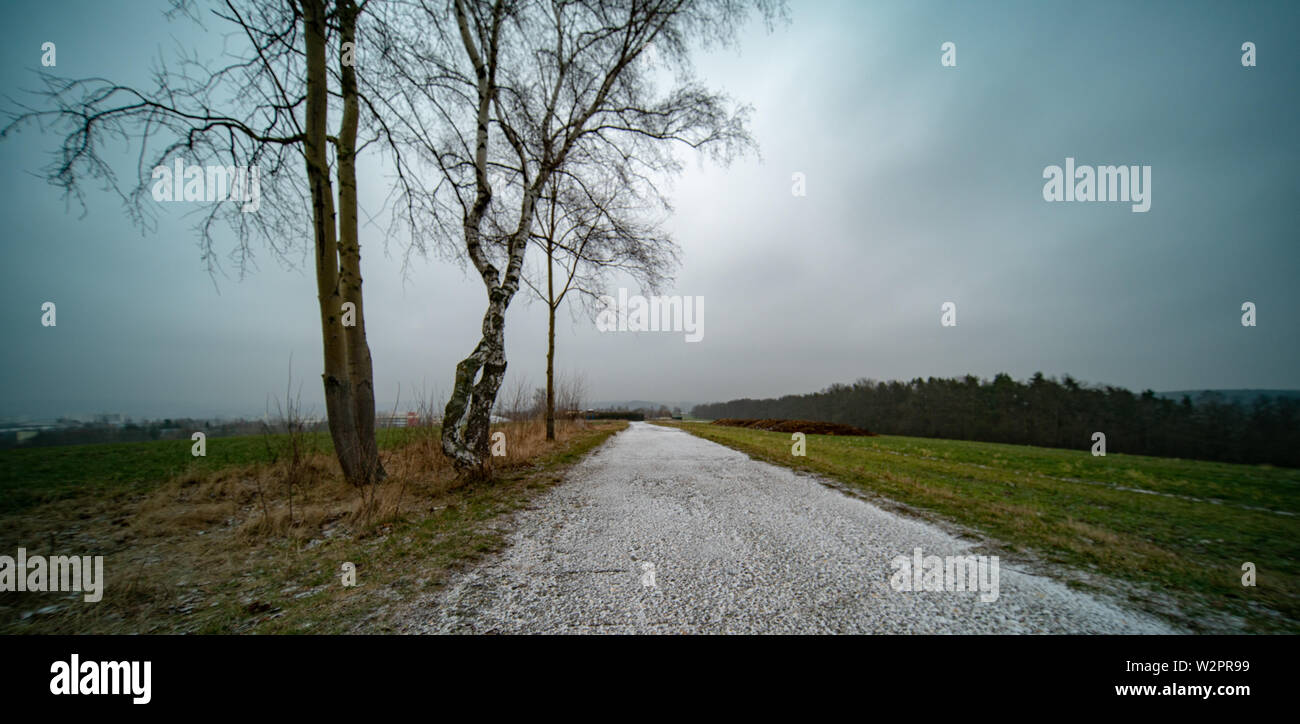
<point>924,185</point>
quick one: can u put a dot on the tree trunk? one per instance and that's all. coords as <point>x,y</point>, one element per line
<point>339,404</point>
<point>360,367</point>
<point>550,344</point>
<point>467,419</point>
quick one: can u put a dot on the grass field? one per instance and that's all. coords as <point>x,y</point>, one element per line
<point>1177,530</point>
<point>31,476</point>
<point>246,541</point>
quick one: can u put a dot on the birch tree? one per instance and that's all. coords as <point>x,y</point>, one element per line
<point>500,95</point>
<point>268,103</point>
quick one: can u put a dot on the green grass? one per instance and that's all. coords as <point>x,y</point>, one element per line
<point>1184,539</point>
<point>33,476</point>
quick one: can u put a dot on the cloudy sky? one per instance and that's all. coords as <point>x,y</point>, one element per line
<point>923,186</point>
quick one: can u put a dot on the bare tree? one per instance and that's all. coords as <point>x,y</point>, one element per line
<point>571,393</point>
<point>516,403</point>
<point>265,107</point>
<point>589,230</point>
<point>501,95</point>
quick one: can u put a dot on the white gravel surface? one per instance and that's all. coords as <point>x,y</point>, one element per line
<point>737,546</point>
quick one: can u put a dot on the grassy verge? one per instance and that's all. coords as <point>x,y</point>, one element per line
<point>246,545</point>
<point>32,476</point>
<point>1177,531</point>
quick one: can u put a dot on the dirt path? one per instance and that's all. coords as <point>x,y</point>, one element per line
<point>735,546</point>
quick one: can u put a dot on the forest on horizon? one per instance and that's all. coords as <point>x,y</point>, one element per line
<point>1047,412</point>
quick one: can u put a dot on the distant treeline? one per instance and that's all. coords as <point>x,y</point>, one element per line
<point>644,412</point>
<point>615,415</point>
<point>1050,413</point>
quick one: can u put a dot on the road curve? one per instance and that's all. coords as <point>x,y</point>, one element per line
<point>737,546</point>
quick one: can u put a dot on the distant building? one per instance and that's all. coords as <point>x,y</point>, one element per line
<point>402,419</point>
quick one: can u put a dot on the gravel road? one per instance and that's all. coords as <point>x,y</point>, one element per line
<point>736,546</point>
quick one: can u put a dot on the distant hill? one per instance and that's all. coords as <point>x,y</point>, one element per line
<point>1230,396</point>
<point>639,404</point>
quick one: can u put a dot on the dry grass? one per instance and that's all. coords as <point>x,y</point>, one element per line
<point>259,547</point>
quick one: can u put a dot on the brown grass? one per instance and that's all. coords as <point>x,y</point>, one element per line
<point>259,547</point>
